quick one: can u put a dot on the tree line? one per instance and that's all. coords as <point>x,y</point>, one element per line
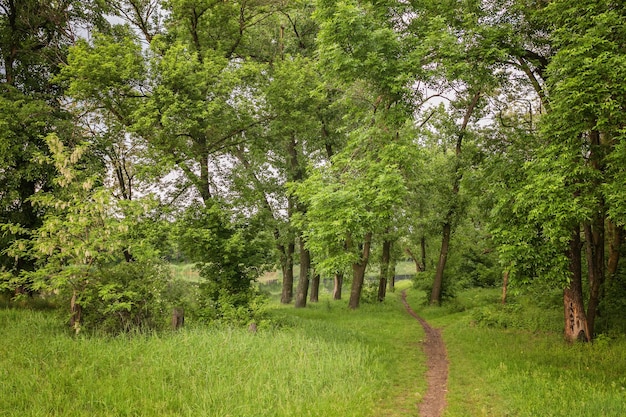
<point>481,139</point>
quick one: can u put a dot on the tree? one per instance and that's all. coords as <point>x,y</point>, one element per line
<point>351,201</point>
<point>564,201</point>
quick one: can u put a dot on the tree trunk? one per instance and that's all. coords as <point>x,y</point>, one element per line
<point>423,250</point>
<point>595,234</point>
<point>287,267</point>
<point>338,285</point>
<point>315,288</point>
<point>574,310</point>
<point>437,290</point>
<point>204,185</point>
<point>391,282</point>
<point>505,285</point>
<point>594,250</point>
<point>286,250</point>
<point>384,270</point>
<point>303,283</point>
<point>358,271</point>
<point>615,233</point>
<point>76,311</point>
<point>419,266</point>
<point>178,318</point>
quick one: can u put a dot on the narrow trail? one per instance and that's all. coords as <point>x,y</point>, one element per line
<point>434,400</point>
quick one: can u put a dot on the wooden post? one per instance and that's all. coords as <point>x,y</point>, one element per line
<point>505,285</point>
<point>178,318</point>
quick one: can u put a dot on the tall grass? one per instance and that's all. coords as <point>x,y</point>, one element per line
<point>322,361</point>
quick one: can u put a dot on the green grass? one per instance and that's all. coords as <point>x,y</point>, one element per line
<point>519,365</point>
<point>322,361</point>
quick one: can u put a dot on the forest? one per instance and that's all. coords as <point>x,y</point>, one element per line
<point>321,149</point>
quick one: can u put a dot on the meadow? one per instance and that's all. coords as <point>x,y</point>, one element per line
<point>320,361</point>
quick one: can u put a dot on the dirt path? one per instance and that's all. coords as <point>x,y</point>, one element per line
<point>434,400</point>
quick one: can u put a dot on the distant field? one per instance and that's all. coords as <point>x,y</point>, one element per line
<point>189,273</point>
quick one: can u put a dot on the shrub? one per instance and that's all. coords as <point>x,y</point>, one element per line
<point>127,296</point>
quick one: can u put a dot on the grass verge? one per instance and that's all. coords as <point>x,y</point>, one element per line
<point>512,361</point>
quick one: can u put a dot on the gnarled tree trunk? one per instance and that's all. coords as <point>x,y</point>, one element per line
<point>576,328</point>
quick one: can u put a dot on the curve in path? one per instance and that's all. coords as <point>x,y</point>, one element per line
<point>434,400</point>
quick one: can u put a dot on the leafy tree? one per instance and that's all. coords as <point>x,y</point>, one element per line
<point>34,36</point>
<point>79,246</point>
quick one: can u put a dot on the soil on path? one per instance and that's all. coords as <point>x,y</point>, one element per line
<point>434,401</point>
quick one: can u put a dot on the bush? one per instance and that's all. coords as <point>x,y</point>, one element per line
<point>229,256</point>
<point>126,296</point>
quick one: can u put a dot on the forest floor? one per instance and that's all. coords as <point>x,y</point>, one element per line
<point>434,401</point>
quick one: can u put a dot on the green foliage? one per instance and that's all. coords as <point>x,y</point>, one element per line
<point>612,306</point>
<point>81,245</point>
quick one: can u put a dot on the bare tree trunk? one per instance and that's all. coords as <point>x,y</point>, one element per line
<point>423,250</point>
<point>594,250</point>
<point>358,270</point>
<point>178,318</point>
<point>287,267</point>
<point>338,285</point>
<point>615,236</point>
<point>437,290</point>
<point>419,266</point>
<point>574,310</point>
<point>76,311</point>
<point>391,282</point>
<point>303,283</point>
<point>204,184</point>
<point>384,270</point>
<point>315,288</point>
